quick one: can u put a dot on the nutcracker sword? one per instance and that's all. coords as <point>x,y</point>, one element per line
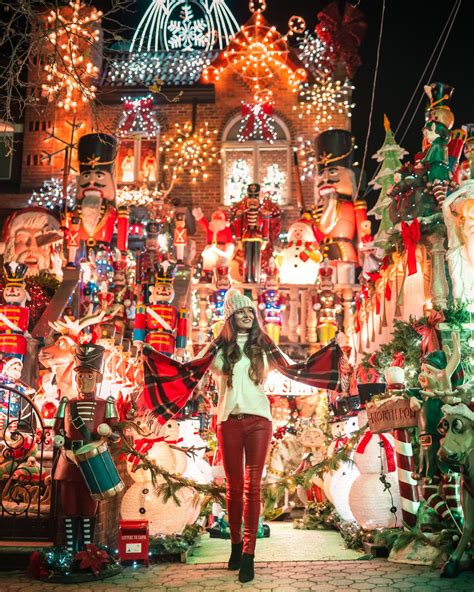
<point>299,190</point>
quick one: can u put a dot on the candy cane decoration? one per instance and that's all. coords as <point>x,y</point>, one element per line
<point>405,467</point>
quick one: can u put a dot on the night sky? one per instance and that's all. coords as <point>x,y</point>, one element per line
<point>411,30</point>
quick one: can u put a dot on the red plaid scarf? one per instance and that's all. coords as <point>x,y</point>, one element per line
<point>169,384</point>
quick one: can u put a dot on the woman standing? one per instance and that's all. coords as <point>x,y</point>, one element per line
<point>240,359</point>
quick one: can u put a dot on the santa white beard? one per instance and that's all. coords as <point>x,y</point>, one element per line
<point>90,213</point>
<point>216,226</point>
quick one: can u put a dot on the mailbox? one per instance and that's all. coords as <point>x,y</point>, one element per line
<point>133,540</point>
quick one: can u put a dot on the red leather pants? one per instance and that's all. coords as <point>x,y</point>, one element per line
<point>242,439</point>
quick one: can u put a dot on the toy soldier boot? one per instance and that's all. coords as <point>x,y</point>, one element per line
<point>88,526</point>
<point>70,526</point>
<point>235,556</point>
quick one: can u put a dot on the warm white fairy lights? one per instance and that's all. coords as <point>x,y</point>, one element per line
<point>324,101</point>
<point>138,118</point>
<point>72,33</point>
<point>190,151</point>
<point>50,194</point>
<point>257,123</point>
<point>185,25</point>
<point>132,196</point>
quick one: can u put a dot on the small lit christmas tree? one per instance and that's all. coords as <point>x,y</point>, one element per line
<point>390,155</point>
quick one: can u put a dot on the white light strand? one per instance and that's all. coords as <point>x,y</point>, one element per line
<point>50,194</point>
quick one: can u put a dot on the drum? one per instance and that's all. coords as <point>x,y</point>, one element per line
<point>99,471</point>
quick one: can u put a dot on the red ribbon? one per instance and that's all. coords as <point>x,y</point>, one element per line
<point>427,330</point>
<point>340,443</point>
<point>411,236</point>
<point>265,111</point>
<point>388,449</point>
<point>132,108</point>
<point>143,445</point>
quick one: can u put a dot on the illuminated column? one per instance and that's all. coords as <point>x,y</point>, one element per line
<point>303,317</point>
<point>312,321</point>
<point>203,322</point>
<point>293,315</point>
<point>347,299</point>
<point>439,284</point>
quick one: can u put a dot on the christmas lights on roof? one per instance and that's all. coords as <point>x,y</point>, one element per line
<point>184,24</point>
<point>173,68</point>
<point>72,33</point>
<point>50,194</point>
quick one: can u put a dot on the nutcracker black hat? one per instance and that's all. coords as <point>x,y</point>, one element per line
<point>253,190</point>
<point>15,273</point>
<point>164,272</point>
<point>334,148</point>
<point>97,152</point>
<point>469,129</point>
<point>89,357</point>
<point>152,229</point>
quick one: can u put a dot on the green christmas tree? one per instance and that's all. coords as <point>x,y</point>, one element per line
<point>390,155</point>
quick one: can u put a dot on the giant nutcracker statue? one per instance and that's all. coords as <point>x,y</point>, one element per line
<point>337,213</point>
<point>257,224</point>
<point>271,302</point>
<point>14,315</point>
<point>85,468</point>
<point>149,258</point>
<point>96,207</point>
<point>160,324</point>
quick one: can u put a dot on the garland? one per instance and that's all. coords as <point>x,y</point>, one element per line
<point>175,543</point>
<point>271,493</point>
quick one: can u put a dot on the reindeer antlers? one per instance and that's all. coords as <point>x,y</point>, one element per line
<point>74,328</point>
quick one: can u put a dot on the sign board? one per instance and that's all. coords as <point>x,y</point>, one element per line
<point>390,414</point>
<point>279,385</point>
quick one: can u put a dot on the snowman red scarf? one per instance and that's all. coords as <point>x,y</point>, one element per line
<point>169,384</point>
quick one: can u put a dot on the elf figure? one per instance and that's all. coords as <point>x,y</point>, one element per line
<point>80,421</point>
<point>96,188</point>
<point>14,315</point>
<point>256,224</point>
<point>220,242</point>
<point>272,303</point>
<point>439,488</point>
<point>312,441</point>
<point>435,159</point>
<point>160,324</point>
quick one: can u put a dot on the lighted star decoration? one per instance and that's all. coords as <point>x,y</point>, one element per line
<point>73,34</point>
<point>260,55</point>
<point>323,101</point>
<point>191,151</point>
<point>315,54</point>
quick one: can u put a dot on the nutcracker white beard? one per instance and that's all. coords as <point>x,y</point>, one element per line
<point>90,212</point>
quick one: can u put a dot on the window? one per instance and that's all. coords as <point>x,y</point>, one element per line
<point>256,161</point>
<point>6,150</point>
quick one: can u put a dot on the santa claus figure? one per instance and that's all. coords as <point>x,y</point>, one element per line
<point>299,261</point>
<point>220,243</point>
<point>33,237</point>
<point>336,213</point>
<point>96,188</point>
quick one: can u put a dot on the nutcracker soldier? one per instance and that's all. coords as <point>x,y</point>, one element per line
<point>324,302</point>
<point>73,242</point>
<point>148,259</point>
<point>14,315</point>
<point>180,235</point>
<point>160,324</point>
<point>80,422</point>
<point>96,188</point>
<point>337,214</point>
<point>272,303</point>
<point>256,224</point>
<point>217,297</point>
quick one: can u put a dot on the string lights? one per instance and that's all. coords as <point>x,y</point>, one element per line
<point>257,123</point>
<point>315,54</point>
<point>138,118</point>
<point>323,101</point>
<point>259,54</point>
<point>50,194</point>
<point>191,151</point>
<point>73,33</point>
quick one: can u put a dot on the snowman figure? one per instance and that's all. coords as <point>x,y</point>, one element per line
<point>337,484</point>
<point>299,261</point>
<point>142,501</point>
<point>375,503</point>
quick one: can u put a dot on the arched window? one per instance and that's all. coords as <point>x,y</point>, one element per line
<point>256,161</point>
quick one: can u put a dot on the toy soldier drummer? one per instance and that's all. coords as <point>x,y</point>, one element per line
<point>80,421</point>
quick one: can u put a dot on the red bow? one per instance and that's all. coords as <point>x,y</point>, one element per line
<point>340,443</point>
<point>257,113</point>
<point>388,449</point>
<point>410,236</point>
<point>143,445</point>
<point>427,330</point>
<point>343,34</point>
<point>132,108</point>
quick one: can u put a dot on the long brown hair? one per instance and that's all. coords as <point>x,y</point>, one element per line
<point>253,349</point>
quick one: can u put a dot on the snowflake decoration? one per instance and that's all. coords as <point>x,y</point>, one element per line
<point>315,54</point>
<point>323,101</point>
<point>50,194</point>
<point>188,33</point>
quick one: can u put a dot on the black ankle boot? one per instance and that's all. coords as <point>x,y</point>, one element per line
<point>235,556</point>
<point>246,573</point>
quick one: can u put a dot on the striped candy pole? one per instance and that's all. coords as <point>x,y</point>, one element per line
<point>405,467</point>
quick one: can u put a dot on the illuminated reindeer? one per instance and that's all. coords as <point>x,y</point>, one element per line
<point>59,357</point>
<point>457,450</point>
